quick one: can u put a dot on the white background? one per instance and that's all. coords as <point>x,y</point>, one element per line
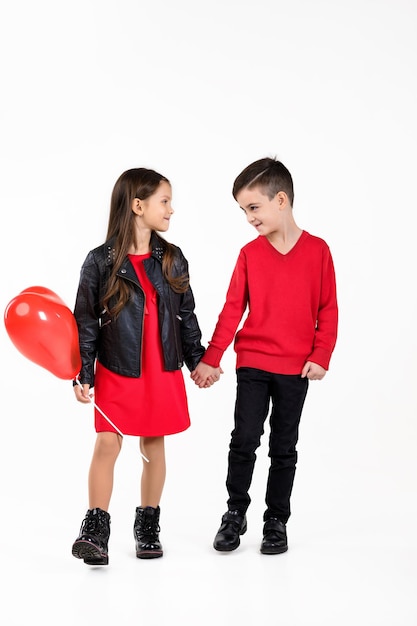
<point>197,91</point>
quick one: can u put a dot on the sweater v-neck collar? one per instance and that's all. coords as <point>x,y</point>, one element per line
<point>291,251</point>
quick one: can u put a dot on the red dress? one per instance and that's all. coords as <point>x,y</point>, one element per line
<point>154,404</point>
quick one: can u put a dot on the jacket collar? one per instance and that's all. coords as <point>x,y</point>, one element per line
<point>158,248</point>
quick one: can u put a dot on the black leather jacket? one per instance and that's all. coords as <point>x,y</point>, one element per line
<point>117,343</point>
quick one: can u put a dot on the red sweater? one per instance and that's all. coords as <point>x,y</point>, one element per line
<point>292,308</point>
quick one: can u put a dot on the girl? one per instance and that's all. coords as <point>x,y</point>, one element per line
<point>135,315</point>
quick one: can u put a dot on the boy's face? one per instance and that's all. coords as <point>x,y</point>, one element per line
<point>262,213</point>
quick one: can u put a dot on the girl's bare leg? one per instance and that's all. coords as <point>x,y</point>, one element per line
<point>100,477</point>
<point>153,475</point>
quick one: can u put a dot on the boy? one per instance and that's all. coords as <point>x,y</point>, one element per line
<point>286,279</point>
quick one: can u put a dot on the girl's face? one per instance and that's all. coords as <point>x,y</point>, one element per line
<point>155,212</point>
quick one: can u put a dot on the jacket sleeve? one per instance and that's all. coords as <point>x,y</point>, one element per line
<point>87,315</point>
<point>231,314</point>
<point>192,348</point>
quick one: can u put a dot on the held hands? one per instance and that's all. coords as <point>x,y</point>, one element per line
<point>205,375</point>
<point>313,371</point>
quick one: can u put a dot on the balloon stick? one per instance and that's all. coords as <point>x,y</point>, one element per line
<point>109,421</point>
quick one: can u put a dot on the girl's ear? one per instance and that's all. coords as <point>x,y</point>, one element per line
<point>136,206</point>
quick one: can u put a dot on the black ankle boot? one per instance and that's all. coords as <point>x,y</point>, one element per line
<point>228,536</point>
<point>146,532</point>
<point>92,542</point>
<point>275,537</point>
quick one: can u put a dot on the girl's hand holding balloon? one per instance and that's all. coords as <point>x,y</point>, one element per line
<point>82,393</point>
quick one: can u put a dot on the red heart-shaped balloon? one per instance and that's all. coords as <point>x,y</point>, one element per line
<point>44,330</point>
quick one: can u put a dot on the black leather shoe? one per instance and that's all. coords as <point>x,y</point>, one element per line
<point>228,536</point>
<point>275,537</point>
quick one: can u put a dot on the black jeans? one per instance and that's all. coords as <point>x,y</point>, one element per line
<point>255,390</point>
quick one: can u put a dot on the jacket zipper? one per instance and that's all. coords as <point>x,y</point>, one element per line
<point>143,320</point>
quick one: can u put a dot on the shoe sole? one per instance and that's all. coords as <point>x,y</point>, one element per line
<point>149,554</point>
<point>274,550</point>
<point>224,549</point>
<point>90,553</point>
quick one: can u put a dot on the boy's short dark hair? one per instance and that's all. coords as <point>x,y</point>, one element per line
<point>268,174</point>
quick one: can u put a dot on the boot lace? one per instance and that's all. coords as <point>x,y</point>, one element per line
<point>147,527</point>
<point>93,524</point>
<point>89,525</point>
<point>151,527</point>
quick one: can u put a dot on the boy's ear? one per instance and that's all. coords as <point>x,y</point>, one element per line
<point>282,199</point>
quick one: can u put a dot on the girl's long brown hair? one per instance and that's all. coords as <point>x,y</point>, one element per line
<point>134,183</point>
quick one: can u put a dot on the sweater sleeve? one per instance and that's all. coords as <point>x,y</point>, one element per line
<point>231,314</point>
<point>327,317</point>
